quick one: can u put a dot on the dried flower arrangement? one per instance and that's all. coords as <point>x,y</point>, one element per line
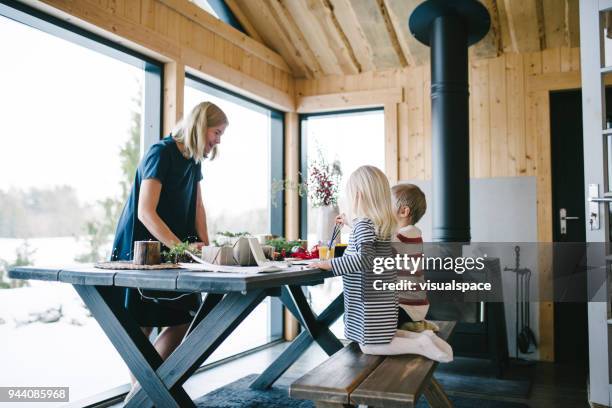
<point>324,181</point>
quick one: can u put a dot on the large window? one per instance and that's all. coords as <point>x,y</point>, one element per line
<point>75,114</point>
<point>237,192</point>
<point>353,139</point>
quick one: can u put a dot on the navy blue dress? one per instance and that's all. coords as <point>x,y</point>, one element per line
<point>177,208</point>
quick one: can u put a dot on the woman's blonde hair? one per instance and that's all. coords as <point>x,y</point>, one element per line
<point>191,130</point>
<point>369,196</point>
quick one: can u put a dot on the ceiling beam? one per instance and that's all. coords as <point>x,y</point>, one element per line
<point>262,18</point>
<point>314,35</point>
<point>572,23</point>
<point>345,16</point>
<point>399,13</point>
<point>375,27</point>
<point>229,33</point>
<point>336,38</point>
<point>490,46</point>
<point>393,35</point>
<point>294,35</point>
<point>522,25</point>
<point>244,22</point>
<point>554,23</point>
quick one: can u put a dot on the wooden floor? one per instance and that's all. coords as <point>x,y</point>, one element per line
<point>558,386</point>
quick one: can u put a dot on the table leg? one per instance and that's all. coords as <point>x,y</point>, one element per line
<point>303,341</point>
<point>210,301</point>
<point>319,332</point>
<point>202,341</point>
<point>131,343</point>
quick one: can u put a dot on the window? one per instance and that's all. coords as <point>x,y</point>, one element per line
<point>75,114</point>
<point>219,9</point>
<point>236,189</point>
<point>353,139</point>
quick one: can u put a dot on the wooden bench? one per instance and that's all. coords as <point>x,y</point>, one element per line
<point>350,378</point>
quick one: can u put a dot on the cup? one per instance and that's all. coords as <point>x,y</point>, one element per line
<point>323,252</point>
<point>326,252</point>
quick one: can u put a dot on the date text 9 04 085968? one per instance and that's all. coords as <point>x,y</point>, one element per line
<point>34,394</point>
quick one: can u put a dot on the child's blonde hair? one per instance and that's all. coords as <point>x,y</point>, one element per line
<point>411,196</point>
<point>369,196</point>
<point>191,130</point>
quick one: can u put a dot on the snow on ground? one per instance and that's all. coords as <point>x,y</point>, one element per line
<point>74,352</point>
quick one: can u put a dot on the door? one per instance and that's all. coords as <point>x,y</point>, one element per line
<point>593,43</point>
<point>570,313</point>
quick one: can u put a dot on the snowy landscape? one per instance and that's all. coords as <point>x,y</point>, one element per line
<point>48,338</point>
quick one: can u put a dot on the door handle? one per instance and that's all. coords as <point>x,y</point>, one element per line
<point>563,217</point>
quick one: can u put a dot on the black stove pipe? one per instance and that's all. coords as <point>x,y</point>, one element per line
<point>449,27</point>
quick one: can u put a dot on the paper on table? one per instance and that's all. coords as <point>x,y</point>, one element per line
<point>202,265</point>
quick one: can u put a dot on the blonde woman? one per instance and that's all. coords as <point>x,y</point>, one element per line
<point>370,315</point>
<point>165,204</point>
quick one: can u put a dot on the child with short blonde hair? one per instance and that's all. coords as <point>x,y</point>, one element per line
<point>410,206</point>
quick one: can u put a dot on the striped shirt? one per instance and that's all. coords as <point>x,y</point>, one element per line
<point>409,241</point>
<point>370,316</point>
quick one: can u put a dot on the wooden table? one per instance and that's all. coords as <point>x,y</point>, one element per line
<point>230,297</point>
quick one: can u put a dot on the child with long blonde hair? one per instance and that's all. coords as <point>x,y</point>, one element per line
<point>370,315</point>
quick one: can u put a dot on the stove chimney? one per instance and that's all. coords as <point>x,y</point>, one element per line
<point>449,27</point>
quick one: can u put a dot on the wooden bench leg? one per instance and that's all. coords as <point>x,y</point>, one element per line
<point>435,395</point>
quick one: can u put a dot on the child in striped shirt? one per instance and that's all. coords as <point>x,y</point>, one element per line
<point>370,315</point>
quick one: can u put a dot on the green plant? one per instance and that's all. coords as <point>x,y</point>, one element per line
<point>177,253</point>
<point>230,234</point>
<point>281,243</point>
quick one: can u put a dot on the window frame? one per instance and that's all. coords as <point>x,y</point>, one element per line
<point>303,154</point>
<point>277,159</point>
<point>225,14</point>
<point>277,172</point>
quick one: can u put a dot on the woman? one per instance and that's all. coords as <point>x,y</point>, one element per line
<point>165,204</point>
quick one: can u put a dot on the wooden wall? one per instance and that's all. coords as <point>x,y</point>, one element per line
<point>502,137</point>
<point>180,32</point>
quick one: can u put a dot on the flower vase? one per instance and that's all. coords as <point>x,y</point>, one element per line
<point>326,219</point>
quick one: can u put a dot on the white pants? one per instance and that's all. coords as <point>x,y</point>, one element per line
<point>425,343</point>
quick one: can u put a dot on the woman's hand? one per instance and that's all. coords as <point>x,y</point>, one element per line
<point>197,245</point>
<point>325,265</point>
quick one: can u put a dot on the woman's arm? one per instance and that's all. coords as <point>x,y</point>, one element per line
<point>200,220</point>
<point>148,199</point>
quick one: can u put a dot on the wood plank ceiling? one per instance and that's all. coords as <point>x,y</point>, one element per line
<point>338,37</point>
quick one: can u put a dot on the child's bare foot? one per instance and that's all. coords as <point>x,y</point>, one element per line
<point>420,326</point>
<point>431,326</point>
